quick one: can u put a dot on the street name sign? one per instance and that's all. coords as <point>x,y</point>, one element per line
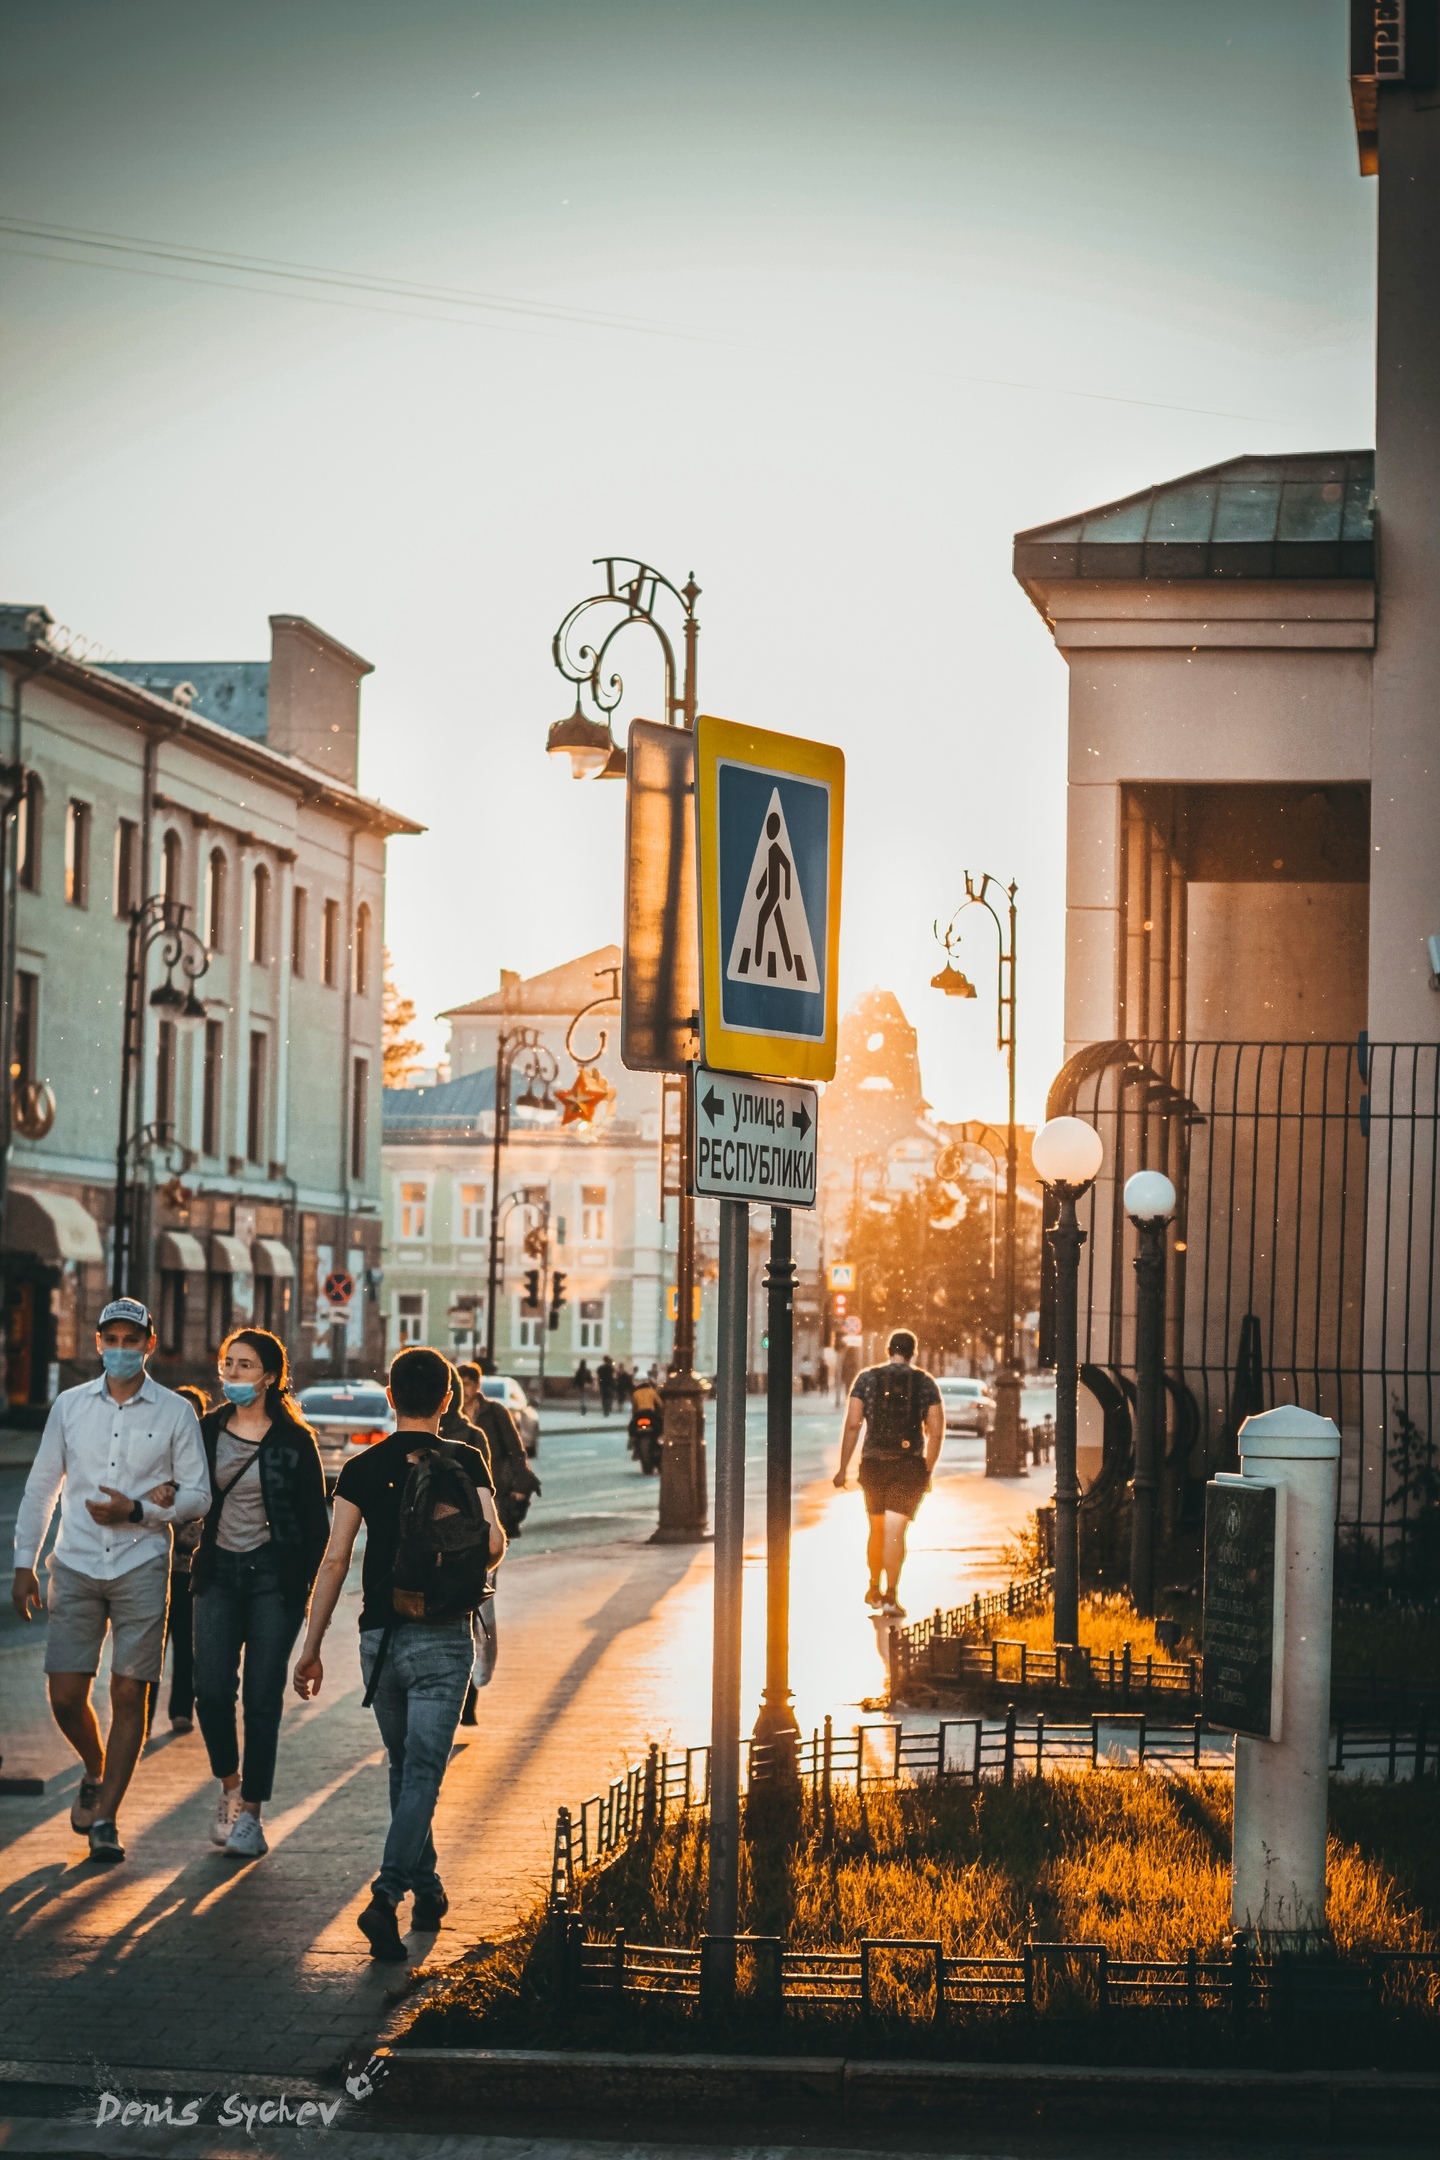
<point>770,815</point>
<point>1243,1624</point>
<point>754,1139</point>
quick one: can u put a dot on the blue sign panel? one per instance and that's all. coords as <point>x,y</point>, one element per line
<point>774,850</point>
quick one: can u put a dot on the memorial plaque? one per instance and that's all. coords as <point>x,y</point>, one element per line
<point>1239,1625</point>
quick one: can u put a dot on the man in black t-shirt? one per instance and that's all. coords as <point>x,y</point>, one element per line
<point>899,1407</point>
<point>419,1669</point>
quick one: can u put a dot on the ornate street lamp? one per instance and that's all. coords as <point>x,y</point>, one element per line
<point>1067,1154</point>
<point>1006,1431</point>
<point>1150,1203</point>
<point>157,921</point>
<point>581,649</point>
<point>540,1066</point>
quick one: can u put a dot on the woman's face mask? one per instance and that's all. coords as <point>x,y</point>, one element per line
<point>122,1364</point>
<point>241,1392</point>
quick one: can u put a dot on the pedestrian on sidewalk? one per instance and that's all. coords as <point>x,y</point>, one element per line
<point>123,1456</point>
<point>605,1376</point>
<point>515,1483</point>
<point>582,1382</point>
<point>432,1542</point>
<point>180,1622</point>
<point>898,1404</point>
<point>252,1574</point>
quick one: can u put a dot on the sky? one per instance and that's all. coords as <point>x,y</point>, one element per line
<point>822,301</point>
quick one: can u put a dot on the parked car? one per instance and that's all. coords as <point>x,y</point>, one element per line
<point>502,1389</point>
<point>347,1415</point>
<point>969,1405</point>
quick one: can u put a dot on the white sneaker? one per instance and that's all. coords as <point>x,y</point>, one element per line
<point>227,1807</point>
<point>247,1840</point>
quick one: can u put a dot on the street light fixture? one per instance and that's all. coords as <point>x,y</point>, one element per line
<point>589,745</point>
<point>1067,1154</point>
<point>540,1064</point>
<point>157,921</point>
<point>1150,1203</point>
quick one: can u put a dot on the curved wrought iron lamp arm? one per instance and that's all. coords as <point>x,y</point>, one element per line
<point>611,997</point>
<point>980,898</point>
<point>584,663</point>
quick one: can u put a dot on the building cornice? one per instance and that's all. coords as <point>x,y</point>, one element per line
<point>1088,614</point>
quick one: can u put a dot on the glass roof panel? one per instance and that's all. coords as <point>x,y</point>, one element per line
<point>1185,512</point>
<point>1247,511</point>
<point>1122,521</point>
<point>1311,510</point>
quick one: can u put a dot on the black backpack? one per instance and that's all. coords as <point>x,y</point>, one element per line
<point>893,1425</point>
<point>442,1554</point>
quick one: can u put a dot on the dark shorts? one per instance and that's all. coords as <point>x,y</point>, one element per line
<point>893,1484</point>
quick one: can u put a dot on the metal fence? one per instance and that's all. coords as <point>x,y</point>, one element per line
<point>1304,1265</point>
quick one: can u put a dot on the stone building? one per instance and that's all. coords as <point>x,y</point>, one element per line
<point>227,793</point>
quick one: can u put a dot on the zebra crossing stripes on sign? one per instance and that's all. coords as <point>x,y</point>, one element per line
<point>754,1139</point>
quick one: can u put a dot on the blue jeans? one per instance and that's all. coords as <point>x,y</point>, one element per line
<point>241,1610</point>
<point>417,1706</point>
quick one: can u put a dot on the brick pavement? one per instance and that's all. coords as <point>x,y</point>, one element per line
<point>181,1957</point>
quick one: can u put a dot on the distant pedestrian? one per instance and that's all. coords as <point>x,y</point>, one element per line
<point>515,1483</point>
<point>899,1407</point>
<point>110,1569</point>
<point>424,1577</point>
<point>252,1574</point>
<point>624,1385</point>
<point>582,1382</point>
<point>180,1621</point>
<point>605,1377</point>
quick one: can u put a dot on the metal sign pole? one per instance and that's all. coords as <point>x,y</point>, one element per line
<point>776,1722</point>
<point>722,1911</point>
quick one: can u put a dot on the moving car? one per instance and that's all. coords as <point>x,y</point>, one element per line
<point>502,1389</point>
<point>969,1405</point>
<point>347,1415</point>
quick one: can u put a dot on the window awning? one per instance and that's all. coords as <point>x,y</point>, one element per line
<point>181,1253</point>
<point>270,1257</point>
<point>54,1226</point>
<point>229,1256</point>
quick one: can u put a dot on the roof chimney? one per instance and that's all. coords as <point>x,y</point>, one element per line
<point>314,702</point>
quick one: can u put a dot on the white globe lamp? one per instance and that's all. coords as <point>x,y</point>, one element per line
<point>1067,1151</point>
<point>1149,1196</point>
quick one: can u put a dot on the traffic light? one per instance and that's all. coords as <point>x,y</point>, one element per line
<point>557,1298</point>
<point>532,1286</point>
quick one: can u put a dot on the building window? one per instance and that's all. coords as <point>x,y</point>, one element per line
<point>297,930</point>
<point>77,854</point>
<point>472,1214</point>
<point>165,1078</point>
<point>412,1211</point>
<point>330,944</point>
<point>214,1077</point>
<point>29,821</point>
<point>359,1114</point>
<point>215,900</point>
<point>25,1035</point>
<point>172,1313</point>
<point>530,1326</point>
<point>171,870</point>
<point>127,865</point>
<point>362,952</point>
<point>592,1323</point>
<point>260,916</point>
<point>592,1214</point>
<point>264,1314</point>
<point>220,1307</point>
<point>255,1106</point>
<point>410,1318</point>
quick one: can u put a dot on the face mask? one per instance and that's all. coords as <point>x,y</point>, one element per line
<point>123,1364</point>
<point>241,1392</point>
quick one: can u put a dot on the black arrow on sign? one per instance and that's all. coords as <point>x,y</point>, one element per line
<point>801,1117</point>
<point>712,1104</point>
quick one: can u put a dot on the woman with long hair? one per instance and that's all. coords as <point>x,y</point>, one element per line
<point>179,1625</point>
<point>252,1574</point>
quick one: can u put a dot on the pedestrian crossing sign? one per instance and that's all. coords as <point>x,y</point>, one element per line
<point>771,813</point>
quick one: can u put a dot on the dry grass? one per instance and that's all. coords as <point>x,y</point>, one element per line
<point>1107,1622</point>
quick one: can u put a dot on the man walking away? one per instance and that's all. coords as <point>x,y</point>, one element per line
<point>515,1483</point>
<point>123,1456</point>
<point>605,1374</point>
<point>899,1406</point>
<point>582,1381</point>
<point>432,1539</point>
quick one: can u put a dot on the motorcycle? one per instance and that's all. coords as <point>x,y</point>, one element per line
<point>645,1430</point>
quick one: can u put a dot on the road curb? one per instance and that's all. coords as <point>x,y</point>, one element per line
<point>1379,2106</point>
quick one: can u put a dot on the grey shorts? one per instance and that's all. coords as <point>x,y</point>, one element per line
<point>132,1606</point>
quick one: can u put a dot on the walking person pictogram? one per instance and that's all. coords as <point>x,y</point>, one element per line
<point>772,938</point>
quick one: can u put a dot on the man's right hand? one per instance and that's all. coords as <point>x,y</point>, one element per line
<point>308,1675</point>
<point>25,1593</point>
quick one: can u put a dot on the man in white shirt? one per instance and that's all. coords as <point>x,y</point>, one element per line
<point>129,1458</point>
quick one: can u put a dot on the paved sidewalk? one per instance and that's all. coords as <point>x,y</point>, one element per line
<point>181,1957</point>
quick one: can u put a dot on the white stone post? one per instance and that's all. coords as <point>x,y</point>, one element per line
<point>1281,1786</point>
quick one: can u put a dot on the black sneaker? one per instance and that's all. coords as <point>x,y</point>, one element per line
<point>379,1927</point>
<point>427,1912</point>
<point>83,1806</point>
<point>105,1842</point>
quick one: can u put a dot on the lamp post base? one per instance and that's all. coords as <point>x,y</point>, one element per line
<point>1003,1456</point>
<point>684,1505</point>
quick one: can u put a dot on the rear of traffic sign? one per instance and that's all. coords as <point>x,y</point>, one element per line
<point>771,813</point>
<point>754,1139</point>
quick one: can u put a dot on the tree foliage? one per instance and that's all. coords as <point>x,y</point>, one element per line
<point>924,1263</point>
<point>401,1052</point>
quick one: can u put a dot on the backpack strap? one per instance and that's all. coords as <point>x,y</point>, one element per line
<point>377,1668</point>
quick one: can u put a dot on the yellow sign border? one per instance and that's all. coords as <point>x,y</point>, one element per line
<point>778,1057</point>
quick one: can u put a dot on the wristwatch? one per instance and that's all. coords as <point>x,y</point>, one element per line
<point>137,1513</point>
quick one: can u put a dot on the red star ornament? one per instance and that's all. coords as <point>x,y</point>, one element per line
<point>590,1093</point>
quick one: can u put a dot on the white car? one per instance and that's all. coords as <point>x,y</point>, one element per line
<point>502,1389</point>
<point>347,1415</point>
<point>968,1404</point>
